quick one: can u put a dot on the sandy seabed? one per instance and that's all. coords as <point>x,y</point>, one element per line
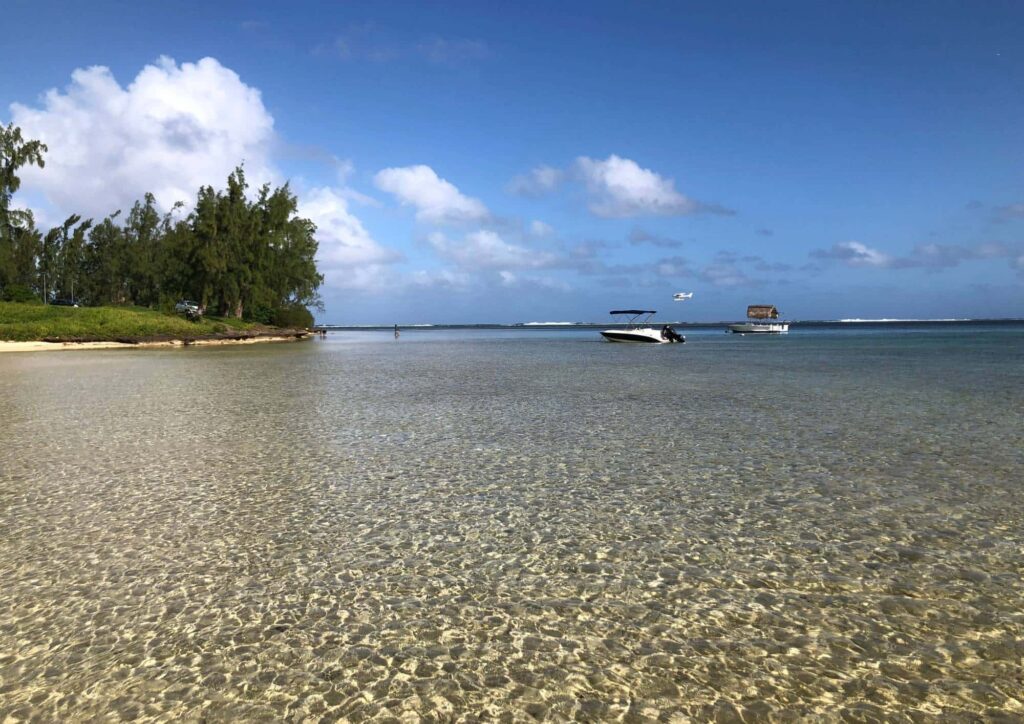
<point>486,528</point>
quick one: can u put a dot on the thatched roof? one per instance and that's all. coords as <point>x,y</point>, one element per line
<point>762,311</point>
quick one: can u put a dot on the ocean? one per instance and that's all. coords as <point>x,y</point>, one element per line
<point>513,525</point>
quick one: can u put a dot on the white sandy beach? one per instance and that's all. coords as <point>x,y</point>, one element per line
<point>37,346</point>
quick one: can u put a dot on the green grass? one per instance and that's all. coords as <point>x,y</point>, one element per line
<point>28,322</point>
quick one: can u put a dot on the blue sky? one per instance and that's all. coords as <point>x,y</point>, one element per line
<point>473,162</point>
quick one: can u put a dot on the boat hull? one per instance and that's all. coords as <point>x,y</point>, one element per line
<point>640,336</point>
<point>760,328</point>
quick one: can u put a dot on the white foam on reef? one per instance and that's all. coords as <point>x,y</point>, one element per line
<point>549,324</point>
<point>904,320</point>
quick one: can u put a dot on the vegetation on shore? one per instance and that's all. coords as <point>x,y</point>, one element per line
<point>240,255</point>
<point>39,322</point>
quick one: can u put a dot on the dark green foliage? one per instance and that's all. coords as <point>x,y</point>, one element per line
<point>252,260</point>
<point>294,316</point>
<point>18,293</point>
<point>15,152</point>
<point>20,243</point>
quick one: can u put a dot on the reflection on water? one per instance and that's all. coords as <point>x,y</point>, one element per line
<point>475,526</point>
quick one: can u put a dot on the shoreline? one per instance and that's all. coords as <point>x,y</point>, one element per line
<point>40,345</point>
<point>807,323</point>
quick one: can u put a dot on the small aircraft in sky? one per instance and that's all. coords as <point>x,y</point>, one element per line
<point>682,296</point>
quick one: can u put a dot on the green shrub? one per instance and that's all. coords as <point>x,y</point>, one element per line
<point>260,313</point>
<point>18,293</point>
<point>295,316</point>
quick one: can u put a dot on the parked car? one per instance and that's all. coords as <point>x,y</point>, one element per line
<point>64,303</point>
<point>189,308</point>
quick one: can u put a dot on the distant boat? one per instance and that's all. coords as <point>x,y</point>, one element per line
<point>682,296</point>
<point>639,329</point>
<point>762,316</point>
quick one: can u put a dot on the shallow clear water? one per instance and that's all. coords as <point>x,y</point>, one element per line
<point>517,525</point>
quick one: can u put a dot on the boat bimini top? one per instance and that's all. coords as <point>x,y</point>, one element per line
<point>635,314</point>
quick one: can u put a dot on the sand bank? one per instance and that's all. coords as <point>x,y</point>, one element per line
<point>40,346</point>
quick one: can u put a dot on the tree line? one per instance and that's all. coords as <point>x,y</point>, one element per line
<point>247,258</point>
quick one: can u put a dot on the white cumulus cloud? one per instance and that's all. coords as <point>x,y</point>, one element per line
<point>725,274</point>
<point>854,253</point>
<point>440,279</point>
<point>171,130</point>
<point>436,200</point>
<point>344,241</point>
<point>484,249</point>
<point>930,257</point>
<point>539,181</point>
<point>516,281</point>
<point>620,187</point>
<point>539,229</point>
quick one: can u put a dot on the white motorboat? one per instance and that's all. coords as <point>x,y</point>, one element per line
<point>640,329</point>
<point>762,321</point>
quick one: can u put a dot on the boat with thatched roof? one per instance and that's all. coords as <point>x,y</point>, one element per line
<point>762,320</point>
